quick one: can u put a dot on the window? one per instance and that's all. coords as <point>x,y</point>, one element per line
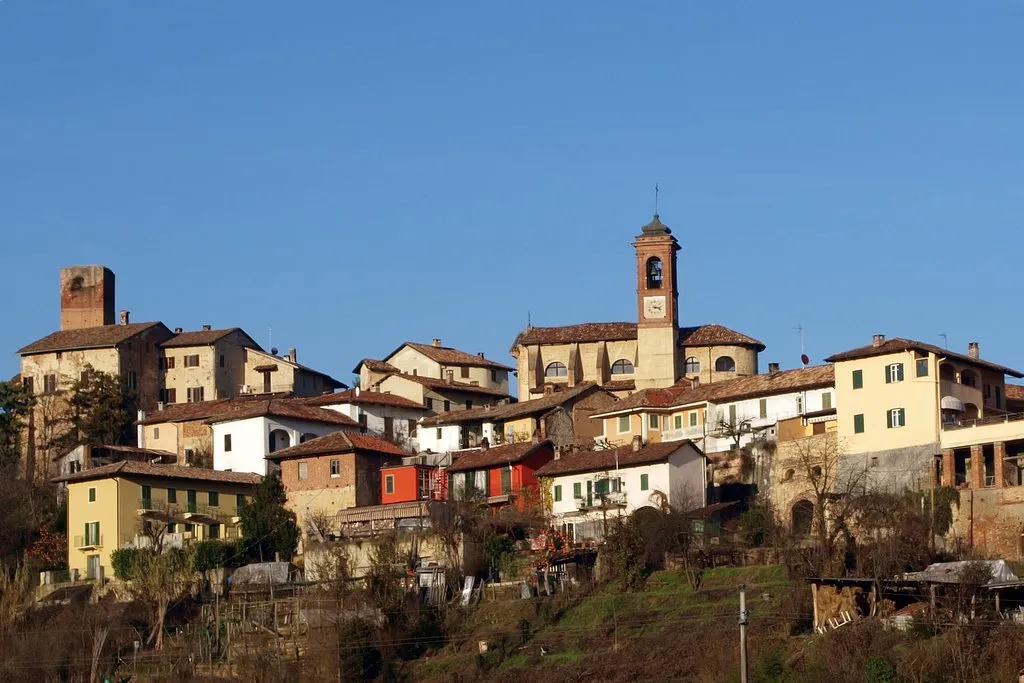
<point>221,360</point>
<point>29,384</point>
<point>652,421</point>
<point>438,433</point>
<point>558,493</point>
<point>411,428</point>
<point>389,483</point>
<point>92,533</point>
<point>494,375</point>
<point>469,405</point>
<point>194,394</point>
<point>190,500</point>
<point>213,499</point>
<point>49,384</point>
<point>336,468</point>
<point>239,501</point>
<point>447,406</point>
<point>227,443</point>
<point>799,405</point>
<point>922,367</point>
<point>858,379</point>
<point>732,414</point>
<point>644,482</point>
<point>556,369</point>
<point>654,274</point>
<point>692,366</point>
<point>999,396</point>
<point>858,423</point>
<point>303,471</point>
<point>874,461</point>
<point>678,422</point>
<point>428,403</point>
<point>577,490</point>
<point>725,364</point>
<point>92,494</point>
<point>622,367</point>
<point>172,495</point>
<point>189,455</point>
<point>192,361</point>
<point>147,496</point>
<point>693,418</point>
<point>788,476</point>
<point>214,531</point>
<point>131,380</point>
<point>894,373</point>
<point>169,362</point>
<point>818,428</point>
<point>156,432</point>
<point>896,417</point>
<point>464,371</point>
<point>362,422</point>
<point>506,480</point>
<point>815,472</point>
<point>762,408</point>
<point>171,527</point>
<point>623,424</point>
<point>169,395</point>
<point>826,400</point>
<point>190,528</point>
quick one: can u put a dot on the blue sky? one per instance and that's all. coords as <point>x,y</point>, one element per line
<point>355,175</point>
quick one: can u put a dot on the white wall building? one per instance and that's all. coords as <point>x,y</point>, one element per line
<point>382,414</point>
<point>588,488</point>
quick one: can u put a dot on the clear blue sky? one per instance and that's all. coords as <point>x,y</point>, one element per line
<point>358,174</point>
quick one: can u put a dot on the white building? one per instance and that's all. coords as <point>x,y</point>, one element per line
<point>242,439</point>
<point>389,415</point>
<point>590,488</point>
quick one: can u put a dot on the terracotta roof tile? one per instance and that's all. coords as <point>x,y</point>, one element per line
<point>715,335</point>
<point>204,338</point>
<point>446,355</point>
<point>363,397</point>
<point>287,408</point>
<point>485,458</point>
<point>899,344</point>
<point>513,411</point>
<point>130,467</point>
<point>148,453</point>
<point>597,460</point>
<point>441,385</point>
<point>339,442</point>
<point>700,335</point>
<point>88,338</point>
<point>187,412</point>
<point>1014,392</point>
<point>375,366</point>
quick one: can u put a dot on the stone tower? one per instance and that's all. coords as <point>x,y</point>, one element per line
<point>86,297</point>
<point>657,298</point>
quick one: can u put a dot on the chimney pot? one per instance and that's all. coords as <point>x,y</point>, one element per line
<point>293,355</point>
<point>207,328</point>
<point>773,368</point>
<point>160,405</point>
<point>125,317</point>
<point>178,330</point>
<point>480,353</point>
<point>435,342</point>
<point>638,443</point>
<point>878,340</point>
<point>973,350</point>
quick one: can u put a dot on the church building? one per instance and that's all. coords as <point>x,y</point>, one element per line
<point>652,352</point>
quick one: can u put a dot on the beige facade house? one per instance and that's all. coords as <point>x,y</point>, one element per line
<point>204,365</point>
<point>439,395</point>
<point>436,361</point>
<point>653,352</point>
<point>267,373</point>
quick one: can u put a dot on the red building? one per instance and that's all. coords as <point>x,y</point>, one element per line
<point>501,475</point>
<point>408,483</point>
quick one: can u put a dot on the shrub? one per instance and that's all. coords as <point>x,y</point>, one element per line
<point>880,670</point>
<point>123,561</point>
<point>211,555</point>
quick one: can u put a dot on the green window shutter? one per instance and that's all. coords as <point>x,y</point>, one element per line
<point>679,421</point>
<point>763,407</point>
<point>732,415</point>
<point>577,490</point>
<point>826,400</point>
<point>643,482</point>
<point>899,372</point>
<point>558,494</point>
<point>858,379</point>
<point>693,418</point>
<point>888,419</point>
<point>858,423</point>
<point>901,415</point>
<point>888,374</point>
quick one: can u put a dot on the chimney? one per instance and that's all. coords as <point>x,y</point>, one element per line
<point>357,392</point>
<point>549,389</point>
<point>638,443</point>
<point>973,350</point>
<point>480,353</point>
<point>293,355</point>
<point>125,317</point>
<point>178,330</point>
<point>878,340</point>
<point>694,382</point>
<point>207,328</point>
<point>773,368</point>
<point>160,405</point>
<point>536,436</point>
<point>141,432</point>
<point>435,342</point>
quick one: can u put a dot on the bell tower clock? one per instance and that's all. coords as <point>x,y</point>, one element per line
<point>657,293</point>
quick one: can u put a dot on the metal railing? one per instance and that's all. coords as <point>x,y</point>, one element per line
<point>89,541</point>
<point>982,421</point>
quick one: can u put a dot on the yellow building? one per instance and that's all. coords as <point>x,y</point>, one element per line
<point>204,365</point>
<point>112,507</point>
<point>268,373</point>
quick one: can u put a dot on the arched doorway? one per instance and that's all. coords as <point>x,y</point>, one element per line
<point>279,439</point>
<point>802,517</point>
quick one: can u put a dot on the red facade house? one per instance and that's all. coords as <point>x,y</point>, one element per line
<point>501,475</point>
<point>408,483</point>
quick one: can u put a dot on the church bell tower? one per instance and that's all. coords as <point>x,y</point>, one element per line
<point>657,296</point>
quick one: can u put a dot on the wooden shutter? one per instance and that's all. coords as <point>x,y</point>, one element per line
<point>888,419</point>
<point>888,377</point>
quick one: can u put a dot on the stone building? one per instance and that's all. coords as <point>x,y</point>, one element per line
<point>204,365</point>
<point>439,362</point>
<point>650,353</point>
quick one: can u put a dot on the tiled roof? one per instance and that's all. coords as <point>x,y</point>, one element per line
<point>485,458</point>
<point>441,385</point>
<point>1014,392</point>
<point>187,412</point>
<point>715,335</point>
<point>87,338</point>
<point>700,335</point>
<point>363,397</point>
<point>750,386</point>
<point>446,355</point>
<point>375,366</point>
<point>339,442</point>
<point>619,385</point>
<point>512,411</point>
<point>338,384</point>
<point>165,456</point>
<point>899,344</point>
<point>287,408</point>
<point>204,338</point>
<point>130,467</point>
<point>625,456</point>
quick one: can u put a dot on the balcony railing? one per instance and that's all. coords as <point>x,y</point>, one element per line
<point>983,421</point>
<point>89,541</point>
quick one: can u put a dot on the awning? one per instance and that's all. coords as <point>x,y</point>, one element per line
<point>952,403</point>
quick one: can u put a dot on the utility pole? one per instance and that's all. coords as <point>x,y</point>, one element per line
<point>743,633</point>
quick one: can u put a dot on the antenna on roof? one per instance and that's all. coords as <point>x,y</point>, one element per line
<point>803,356</point>
<point>945,342</point>
<point>529,322</point>
<point>270,335</point>
<point>656,199</point>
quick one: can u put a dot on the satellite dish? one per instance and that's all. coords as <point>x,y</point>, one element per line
<point>804,359</point>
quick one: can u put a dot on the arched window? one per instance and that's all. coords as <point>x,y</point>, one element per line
<point>692,366</point>
<point>556,369</point>
<point>654,273</point>
<point>622,367</point>
<point>725,364</point>
<point>802,516</point>
<point>788,476</point>
<point>279,439</point>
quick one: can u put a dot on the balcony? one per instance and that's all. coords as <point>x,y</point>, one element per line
<point>614,500</point>
<point>204,513</point>
<point>683,433</point>
<point>964,392</point>
<point>88,542</point>
<point>982,430</point>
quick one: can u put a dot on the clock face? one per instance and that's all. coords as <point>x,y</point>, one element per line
<point>654,307</point>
